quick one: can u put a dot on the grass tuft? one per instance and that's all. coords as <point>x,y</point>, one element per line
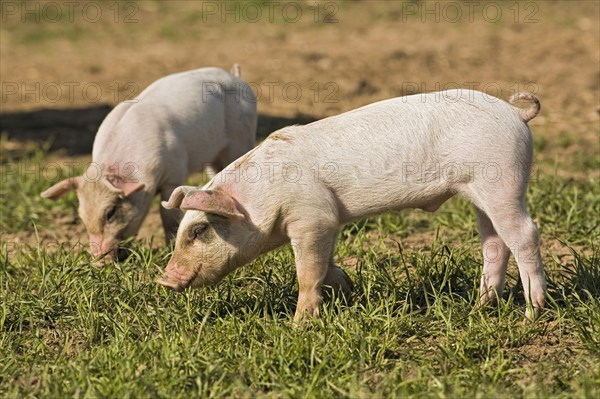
<point>412,327</point>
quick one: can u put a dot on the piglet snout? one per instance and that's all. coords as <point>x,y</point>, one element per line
<point>176,277</point>
<point>172,284</point>
<point>99,246</point>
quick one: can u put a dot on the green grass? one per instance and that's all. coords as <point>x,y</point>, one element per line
<point>412,328</point>
<point>23,176</point>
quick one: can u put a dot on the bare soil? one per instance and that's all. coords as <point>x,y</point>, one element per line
<point>373,51</point>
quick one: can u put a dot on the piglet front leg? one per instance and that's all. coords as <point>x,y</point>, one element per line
<point>312,251</point>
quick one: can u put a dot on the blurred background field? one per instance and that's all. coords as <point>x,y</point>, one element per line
<point>62,70</point>
<point>305,60</point>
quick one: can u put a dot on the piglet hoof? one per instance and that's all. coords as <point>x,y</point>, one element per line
<point>488,299</point>
<point>532,314</point>
<point>302,317</point>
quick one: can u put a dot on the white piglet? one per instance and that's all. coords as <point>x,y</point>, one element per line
<point>303,182</point>
<point>182,123</point>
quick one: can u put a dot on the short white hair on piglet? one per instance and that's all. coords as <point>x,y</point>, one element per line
<point>182,123</point>
<point>407,152</point>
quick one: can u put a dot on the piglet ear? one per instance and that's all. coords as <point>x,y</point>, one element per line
<point>177,197</point>
<point>61,188</point>
<point>189,198</point>
<point>216,202</point>
<point>121,184</point>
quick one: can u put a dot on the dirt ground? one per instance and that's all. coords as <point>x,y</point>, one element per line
<point>366,51</point>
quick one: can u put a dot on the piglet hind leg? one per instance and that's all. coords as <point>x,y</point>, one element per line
<point>312,252</point>
<point>495,261</point>
<point>518,231</point>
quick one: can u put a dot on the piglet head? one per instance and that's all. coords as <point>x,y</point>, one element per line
<point>109,208</point>
<point>212,240</point>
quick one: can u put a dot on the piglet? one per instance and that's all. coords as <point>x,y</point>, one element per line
<point>304,182</point>
<point>180,124</point>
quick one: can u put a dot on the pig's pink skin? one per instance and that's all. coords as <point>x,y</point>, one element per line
<point>99,246</point>
<point>395,154</point>
<point>176,278</point>
<point>182,123</point>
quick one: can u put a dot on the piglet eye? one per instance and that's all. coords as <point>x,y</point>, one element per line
<point>111,213</point>
<point>198,230</point>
